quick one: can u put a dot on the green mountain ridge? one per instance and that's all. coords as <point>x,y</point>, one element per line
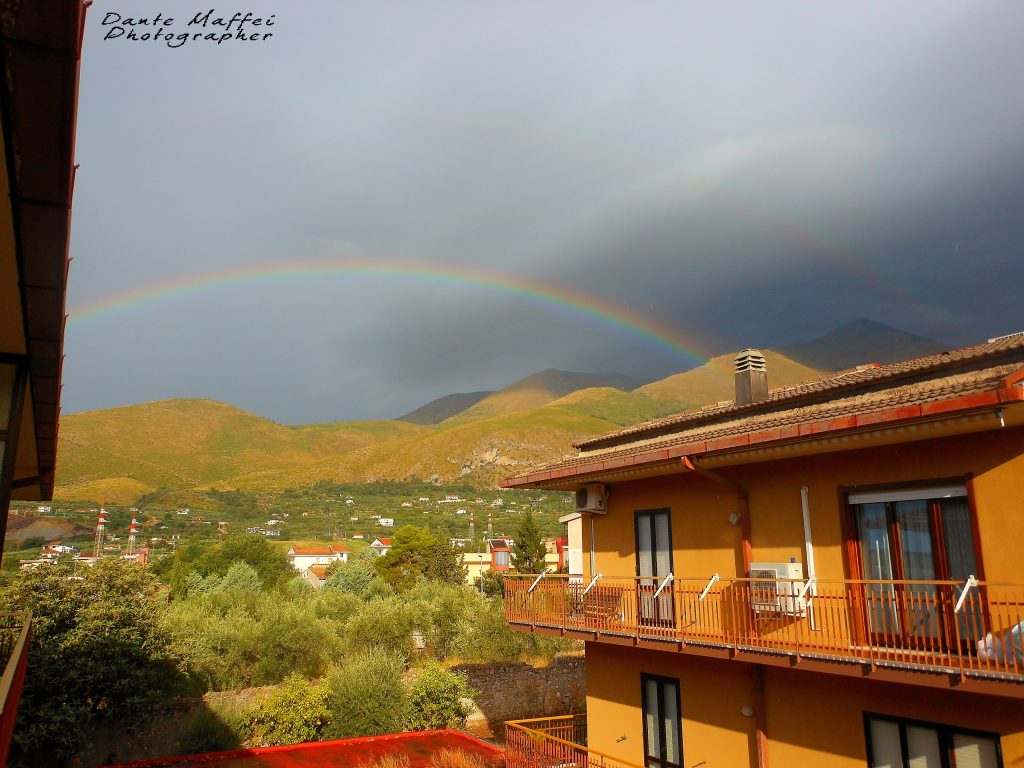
<point>178,448</point>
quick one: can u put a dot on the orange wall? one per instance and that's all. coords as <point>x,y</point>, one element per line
<point>811,719</point>
<point>705,542</point>
<point>710,697</point>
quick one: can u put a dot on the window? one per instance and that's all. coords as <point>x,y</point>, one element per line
<point>913,534</point>
<point>663,738</point>
<point>501,558</point>
<point>895,743</point>
<point>653,564</point>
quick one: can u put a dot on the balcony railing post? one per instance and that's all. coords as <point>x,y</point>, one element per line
<point>923,625</point>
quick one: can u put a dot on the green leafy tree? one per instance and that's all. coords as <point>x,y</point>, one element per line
<point>493,583</point>
<point>528,549</point>
<point>386,623</point>
<point>438,698</point>
<point>355,576</point>
<point>416,552</point>
<point>98,653</point>
<point>268,559</point>
<point>240,576</point>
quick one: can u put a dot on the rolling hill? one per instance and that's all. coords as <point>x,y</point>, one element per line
<point>438,410</point>
<point>540,389</point>
<point>185,447</point>
<point>120,454</point>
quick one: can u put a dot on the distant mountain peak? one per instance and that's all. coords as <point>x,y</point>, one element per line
<point>445,407</point>
<point>861,341</point>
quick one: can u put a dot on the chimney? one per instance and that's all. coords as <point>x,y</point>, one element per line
<point>751,377</point>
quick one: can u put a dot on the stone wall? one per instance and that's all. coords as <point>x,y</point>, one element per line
<point>516,691</point>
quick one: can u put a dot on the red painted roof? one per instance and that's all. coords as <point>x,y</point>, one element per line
<point>346,753</point>
<point>385,542</point>
<point>312,551</point>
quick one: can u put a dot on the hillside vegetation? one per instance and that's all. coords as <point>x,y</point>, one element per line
<point>121,455</point>
<point>194,448</point>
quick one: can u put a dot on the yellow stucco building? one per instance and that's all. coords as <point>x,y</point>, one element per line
<point>824,575</point>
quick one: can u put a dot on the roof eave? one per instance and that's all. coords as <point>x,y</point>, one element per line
<point>669,460</point>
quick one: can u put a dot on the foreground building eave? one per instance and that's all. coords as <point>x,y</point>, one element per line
<point>971,402</point>
<point>40,43</point>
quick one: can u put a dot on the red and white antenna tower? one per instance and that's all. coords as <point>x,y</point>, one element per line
<point>132,530</point>
<point>490,525</point>
<point>101,523</point>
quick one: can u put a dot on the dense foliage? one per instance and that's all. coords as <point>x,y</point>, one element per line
<point>415,553</point>
<point>98,652</point>
<point>360,656</point>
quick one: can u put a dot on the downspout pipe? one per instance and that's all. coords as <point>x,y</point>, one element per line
<point>593,558</point>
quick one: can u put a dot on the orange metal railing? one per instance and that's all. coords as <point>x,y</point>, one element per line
<point>921,625</point>
<point>554,742</point>
<point>15,633</point>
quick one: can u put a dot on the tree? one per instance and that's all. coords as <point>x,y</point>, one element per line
<point>267,558</point>
<point>529,550</point>
<point>355,576</point>
<point>98,653</point>
<point>416,552</point>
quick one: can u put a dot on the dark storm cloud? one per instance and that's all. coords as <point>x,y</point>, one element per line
<point>741,175</point>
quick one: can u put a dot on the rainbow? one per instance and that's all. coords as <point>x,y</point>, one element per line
<point>545,293</point>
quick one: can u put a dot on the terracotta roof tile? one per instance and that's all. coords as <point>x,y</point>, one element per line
<point>861,377</point>
<point>780,424</point>
<point>320,551</point>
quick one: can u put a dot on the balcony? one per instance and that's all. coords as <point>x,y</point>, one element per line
<point>970,637</point>
<point>554,742</point>
<point>15,633</point>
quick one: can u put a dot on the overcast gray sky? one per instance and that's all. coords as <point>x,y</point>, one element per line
<point>739,173</point>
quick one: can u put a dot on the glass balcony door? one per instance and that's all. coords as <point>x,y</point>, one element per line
<point>653,564</point>
<point>902,538</point>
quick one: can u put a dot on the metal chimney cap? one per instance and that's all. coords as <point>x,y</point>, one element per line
<point>750,360</point>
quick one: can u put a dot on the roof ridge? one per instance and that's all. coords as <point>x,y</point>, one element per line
<point>782,422</point>
<point>848,378</point>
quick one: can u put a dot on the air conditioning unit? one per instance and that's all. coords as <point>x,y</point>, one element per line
<point>591,498</point>
<point>770,592</point>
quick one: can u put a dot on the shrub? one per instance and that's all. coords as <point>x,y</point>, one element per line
<point>367,696</point>
<point>437,698</point>
<point>393,760</point>
<point>457,758</point>
<point>297,711</point>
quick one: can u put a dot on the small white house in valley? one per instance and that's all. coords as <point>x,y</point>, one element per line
<point>381,546</point>
<point>387,522</point>
<point>301,558</point>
